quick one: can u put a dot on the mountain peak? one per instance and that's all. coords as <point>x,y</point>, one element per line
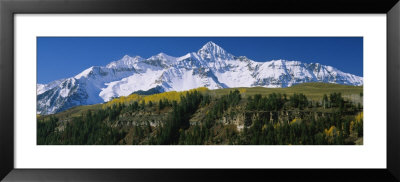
<point>161,55</point>
<point>211,51</point>
<point>210,46</point>
<point>126,61</point>
<point>164,58</point>
<point>127,57</point>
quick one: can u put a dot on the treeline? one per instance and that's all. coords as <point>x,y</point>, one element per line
<point>88,129</point>
<point>270,102</point>
<point>95,127</point>
<point>169,132</point>
<point>335,129</point>
<point>343,124</point>
<point>204,132</point>
<point>46,131</point>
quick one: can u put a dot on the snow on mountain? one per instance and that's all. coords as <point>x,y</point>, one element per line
<point>126,62</point>
<point>212,52</point>
<point>210,67</point>
<point>40,88</point>
<point>162,59</point>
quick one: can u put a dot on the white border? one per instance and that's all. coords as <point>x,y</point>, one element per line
<point>371,155</point>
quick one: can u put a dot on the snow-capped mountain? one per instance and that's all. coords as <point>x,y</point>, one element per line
<point>211,67</point>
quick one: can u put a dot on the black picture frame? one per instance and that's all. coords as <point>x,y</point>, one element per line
<point>9,8</point>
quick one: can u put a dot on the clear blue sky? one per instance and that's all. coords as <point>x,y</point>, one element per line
<point>63,57</point>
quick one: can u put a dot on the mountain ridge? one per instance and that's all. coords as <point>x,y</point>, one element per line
<point>211,66</point>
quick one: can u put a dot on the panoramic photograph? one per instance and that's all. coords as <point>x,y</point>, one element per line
<point>199,91</point>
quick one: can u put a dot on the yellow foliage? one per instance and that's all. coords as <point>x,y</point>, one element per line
<point>277,125</point>
<point>242,90</point>
<point>331,132</point>
<point>352,126</point>
<point>171,96</point>
<point>200,89</point>
<point>123,100</point>
<point>359,117</point>
<point>293,121</point>
<point>264,127</point>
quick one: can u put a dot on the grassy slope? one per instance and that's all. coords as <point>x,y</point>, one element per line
<point>314,91</point>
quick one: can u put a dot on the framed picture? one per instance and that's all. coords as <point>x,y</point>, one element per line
<point>177,90</point>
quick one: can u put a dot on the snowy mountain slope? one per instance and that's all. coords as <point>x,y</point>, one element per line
<point>40,88</point>
<point>211,67</point>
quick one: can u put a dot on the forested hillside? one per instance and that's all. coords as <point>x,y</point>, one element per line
<point>305,114</point>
